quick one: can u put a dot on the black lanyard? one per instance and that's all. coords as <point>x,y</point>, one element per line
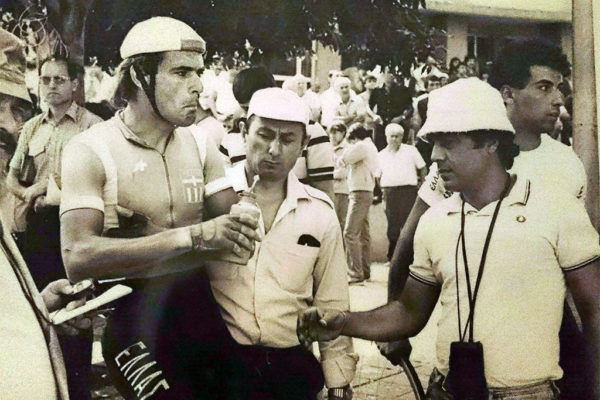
<point>473,295</point>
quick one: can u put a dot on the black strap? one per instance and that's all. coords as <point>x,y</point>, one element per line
<point>148,87</point>
<point>472,295</point>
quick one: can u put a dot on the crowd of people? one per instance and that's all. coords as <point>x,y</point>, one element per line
<point>226,303</point>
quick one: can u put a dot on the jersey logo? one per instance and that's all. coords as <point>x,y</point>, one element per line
<point>140,166</point>
<point>193,185</point>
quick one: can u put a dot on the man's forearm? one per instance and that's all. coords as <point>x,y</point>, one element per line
<point>384,324</point>
<point>103,258</point>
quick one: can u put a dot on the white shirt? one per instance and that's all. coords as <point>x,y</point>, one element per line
<point>329,102</point>
<point>363,165</point>
<point>210,127</point>
<point>233,149</point>
<point>520,303</point>
<point>340,171</point>
<point>400,168</point>
<point>552,164</point>
<point>316,161</point>
<point>260,301</point>
<point>313,101</point>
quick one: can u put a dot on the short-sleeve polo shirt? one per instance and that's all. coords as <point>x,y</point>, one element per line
<point>520,302</point>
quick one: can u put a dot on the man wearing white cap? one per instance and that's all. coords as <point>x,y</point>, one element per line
<point>315,165</point>
<point>497,254</point>
<point>134,194</point>
<point>299,262</point>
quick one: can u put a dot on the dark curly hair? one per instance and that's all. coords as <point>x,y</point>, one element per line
<point>513,64</point>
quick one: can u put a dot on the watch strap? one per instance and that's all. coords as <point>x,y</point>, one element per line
<point>201,234</point>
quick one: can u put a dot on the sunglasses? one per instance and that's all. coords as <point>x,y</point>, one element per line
<point>59,80</point>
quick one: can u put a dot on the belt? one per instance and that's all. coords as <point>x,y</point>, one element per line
<point>437,380</point>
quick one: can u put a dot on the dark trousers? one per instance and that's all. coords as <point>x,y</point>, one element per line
<point>577,382</point>
<point>398,203</point>
<point>41,250</point>
<point>41,247</point>
<point>281,374</point>
<point>379,137</point>
<point>167,340</point>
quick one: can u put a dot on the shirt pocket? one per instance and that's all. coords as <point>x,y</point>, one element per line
<point>294,267</point>
<point>36,147</point>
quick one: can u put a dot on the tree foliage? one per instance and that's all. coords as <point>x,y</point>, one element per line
<point>371,32</point>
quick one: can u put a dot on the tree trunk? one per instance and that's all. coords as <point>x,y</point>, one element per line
<point>585,126</point>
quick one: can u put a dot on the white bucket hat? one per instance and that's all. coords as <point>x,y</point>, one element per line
<point>465,105</point>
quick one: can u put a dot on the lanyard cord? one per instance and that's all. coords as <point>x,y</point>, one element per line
<point>473,295</point>
<point>457,294</point>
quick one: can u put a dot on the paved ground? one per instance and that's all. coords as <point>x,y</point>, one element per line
<point>376,378</point>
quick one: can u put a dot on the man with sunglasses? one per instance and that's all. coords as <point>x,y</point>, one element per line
<point>34,175</point>
<point>34,178</point>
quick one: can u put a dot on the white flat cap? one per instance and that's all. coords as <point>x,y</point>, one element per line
<point>280,104</point>
<point>465,105</point>
<point>339,81</point>
<point>159,34</point>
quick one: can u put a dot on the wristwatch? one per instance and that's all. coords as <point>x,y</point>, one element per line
<point>340,393</point>
<point>201,234</point>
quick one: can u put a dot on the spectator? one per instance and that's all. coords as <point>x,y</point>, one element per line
<point>360,157</point>
<point>330,99</point>
<point>15,109</point>
<point>299,84</point>
<point>389,102</point>
<point>34,174</point>
<point>34,177</point>
<point>370,85</point>
<point>453,67</point>
<point>402,170</point>
<point>206,122</point>
<point>350,109</point>
<point>337,134</point>
<point>472,65</point>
